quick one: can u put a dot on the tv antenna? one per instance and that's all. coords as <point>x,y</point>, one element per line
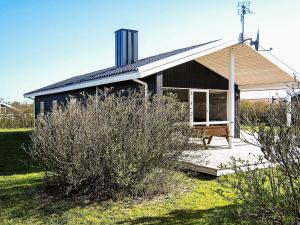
<point>243,9</point>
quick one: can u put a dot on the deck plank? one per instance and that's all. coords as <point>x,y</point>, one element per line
<point>218,153</point>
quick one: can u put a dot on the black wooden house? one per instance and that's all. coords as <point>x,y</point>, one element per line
<point>209,76</point>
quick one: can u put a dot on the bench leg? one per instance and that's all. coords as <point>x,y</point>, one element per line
<point>204,142</point>
<point>227,138</point>
<point>209,139</point>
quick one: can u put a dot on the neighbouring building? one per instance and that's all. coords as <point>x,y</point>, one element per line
<point>6,110</point>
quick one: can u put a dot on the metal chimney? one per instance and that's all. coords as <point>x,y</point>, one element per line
<point>126,44</point>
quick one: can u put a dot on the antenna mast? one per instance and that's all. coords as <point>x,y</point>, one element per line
<point>243,9</point>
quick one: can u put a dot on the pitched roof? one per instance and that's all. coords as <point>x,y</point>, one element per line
<point>112,71</point>
<point>3,103</point>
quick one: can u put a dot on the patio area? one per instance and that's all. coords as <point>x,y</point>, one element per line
<point>209,161</point>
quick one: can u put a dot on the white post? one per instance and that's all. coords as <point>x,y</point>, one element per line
<point>97,94</point>
<point>289,107</point>
<point>191,107</point>
<point>207,108</point>
<point>231,97</point>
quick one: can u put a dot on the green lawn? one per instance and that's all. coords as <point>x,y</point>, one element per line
<point>23,202</point>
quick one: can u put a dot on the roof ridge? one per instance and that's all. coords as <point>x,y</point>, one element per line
<point>181,49</point>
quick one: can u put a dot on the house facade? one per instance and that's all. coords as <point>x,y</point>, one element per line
<point>208,76</point>
<point>6,110</point>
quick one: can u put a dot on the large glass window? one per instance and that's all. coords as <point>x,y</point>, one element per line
<point>199,106</point>
<point>181,94</point>
<point>217,105</point>
<point>206,106</point>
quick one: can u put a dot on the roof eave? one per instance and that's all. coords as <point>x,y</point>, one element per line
<point>160,65</point>
<point>184,57</point>
<point>264,87</point>
<point>145,70</point>
<point>8,106</point>
<point>280,64</point>
<point>112,79</point>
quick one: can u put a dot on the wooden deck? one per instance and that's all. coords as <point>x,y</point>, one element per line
<point>218,153</point>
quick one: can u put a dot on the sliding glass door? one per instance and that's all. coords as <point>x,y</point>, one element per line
<point>208,107</point>
<point>217,106</point>
<point>198,106</point>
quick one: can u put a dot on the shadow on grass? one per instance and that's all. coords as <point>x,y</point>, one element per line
<point>13,159</point>
<point>218,215</point>
<point>198,175</point>
<point>25,198</point>
<point>25,203</point>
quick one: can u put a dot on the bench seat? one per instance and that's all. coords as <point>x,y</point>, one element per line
<point>211,131</point>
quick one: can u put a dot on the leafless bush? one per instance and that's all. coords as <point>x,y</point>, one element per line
<point>113,144</point>
<point>271,195</point>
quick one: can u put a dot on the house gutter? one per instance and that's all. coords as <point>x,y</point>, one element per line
<point>144,84</point>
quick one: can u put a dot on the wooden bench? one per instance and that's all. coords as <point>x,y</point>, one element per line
<point>211,131</point>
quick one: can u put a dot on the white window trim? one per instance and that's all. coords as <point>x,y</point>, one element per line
<point>192,91</point>
<point>208,122</point>
<point>211,123</point>
<point>42,113</point>
<point>54,101</point>
<point>207,91</point>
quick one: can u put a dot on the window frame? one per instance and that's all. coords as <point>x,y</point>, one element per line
<point>42,104</point>
<point>56,105</point>
<point>208,122</point>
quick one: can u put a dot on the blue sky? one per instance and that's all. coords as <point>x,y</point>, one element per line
<point>43,42</point>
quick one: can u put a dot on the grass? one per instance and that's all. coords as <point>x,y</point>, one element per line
<point>23,202</point>
<point>12,158</point>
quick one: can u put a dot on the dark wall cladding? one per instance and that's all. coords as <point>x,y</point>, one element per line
<point>151,81</point>
<point>193,75</point>
<point>63,97</point>
<point>187,75</point>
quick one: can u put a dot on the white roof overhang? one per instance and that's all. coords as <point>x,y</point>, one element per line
<point>112,79</point>
<point>253,70</point>
<point>142,71</point>
<point>184,57</point>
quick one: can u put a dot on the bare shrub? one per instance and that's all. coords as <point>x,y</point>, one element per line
<point>270,195</point>
<point>112,145</point>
